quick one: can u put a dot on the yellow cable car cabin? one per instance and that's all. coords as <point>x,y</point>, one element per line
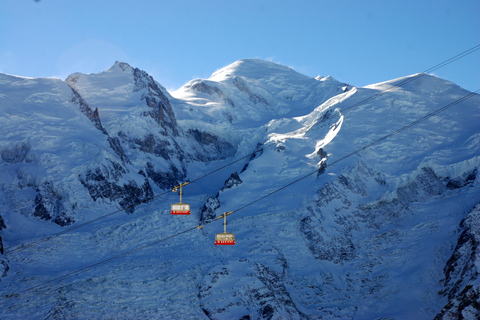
<point>225,238</point>
<point>180,208</point>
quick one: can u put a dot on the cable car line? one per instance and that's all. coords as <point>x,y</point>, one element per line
<point>265,146</point>
<point>225,238</point>
<point>78,226</point>
<point>96,264</point>
<point>180,208</point>
<point>371,144</point>
<point>408,80</point>
<point>431,69</point>
<point>378,141</point>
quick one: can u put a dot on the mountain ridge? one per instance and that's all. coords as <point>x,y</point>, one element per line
<point>354,240</point>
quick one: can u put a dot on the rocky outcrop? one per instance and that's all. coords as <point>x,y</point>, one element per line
<point>212,147</point>
<point>231,182</point>
<point>462,276</point>
<point>261,293</point>
<point>213,203</point>
<point>50,205</point>
<point>243,87</point>
<point>16,153</point>
<point>104,183</point>
<point>204,87</point>
<point>335,199</point>
<point>2,223</point>
<point>258,152</point>
<point>165,179</point>
<point>161,110</point>
<point>92,115</point>
<point>209,208</point>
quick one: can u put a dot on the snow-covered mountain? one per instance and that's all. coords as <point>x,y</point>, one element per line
<point>388,232</point>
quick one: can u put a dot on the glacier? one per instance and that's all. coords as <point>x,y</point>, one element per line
<point>87,165</point>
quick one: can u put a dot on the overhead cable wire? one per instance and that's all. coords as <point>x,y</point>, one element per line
<point>81,225</point>
<point>440,65</point>
<point>95,264</point>
<point>376,142</point>
<point>371,144</point>
<point>416,77</point>
<point>253,154</point>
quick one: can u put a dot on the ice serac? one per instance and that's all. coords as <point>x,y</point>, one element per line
<point>325,228</point>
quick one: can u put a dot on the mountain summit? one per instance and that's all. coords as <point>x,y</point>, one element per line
<point>348,202</point>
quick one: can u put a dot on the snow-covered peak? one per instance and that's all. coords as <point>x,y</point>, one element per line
<point>251,69</point>
<point>251,92</point>
<point>419,82</point>
<point>123,66</point>
<point>122,92</point>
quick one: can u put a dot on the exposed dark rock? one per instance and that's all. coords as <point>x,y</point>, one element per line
<point>164,179</point>
<point>159,148</point>
<point>280,147</point>
<point>49,205</point>
<point>201,86</point>
<point>461,284</point>
<point>134,195</point>
<point>2,251</point>
<point>274,300</point>
<point>102,183</point>
<point>17,153</point>
<point>92,115</point>
<point>212,203</point>
<point>2,223</point>
<point>257,153</point>
<point>243,87</point>
<point>117,148</point>
<point>467,179</point>
<point>209,208</point>
<point>4,268</point>
<point>233,181</point>
<point>337,248</point>
<point>338,196</point>
<point>161,110</point>
<point>214,147</point>
<point>263,292</point>
<point>425,185</point>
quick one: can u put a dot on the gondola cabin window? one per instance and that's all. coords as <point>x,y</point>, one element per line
<point>225,239</point>
<point>180,208</point>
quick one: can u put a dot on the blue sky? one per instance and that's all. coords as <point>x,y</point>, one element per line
<point>359,42</point>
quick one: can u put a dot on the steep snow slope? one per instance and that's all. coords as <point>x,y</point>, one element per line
<point>372,236</point>
<point>385,218</point>
<point>46,143</point>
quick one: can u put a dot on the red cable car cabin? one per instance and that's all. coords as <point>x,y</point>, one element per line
<point>225,238</point>
<point>180,208</point>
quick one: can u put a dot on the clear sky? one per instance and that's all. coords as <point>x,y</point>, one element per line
<point>358,42</point>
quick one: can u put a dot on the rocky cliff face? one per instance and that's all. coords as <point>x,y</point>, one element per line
<point>461,282</point>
